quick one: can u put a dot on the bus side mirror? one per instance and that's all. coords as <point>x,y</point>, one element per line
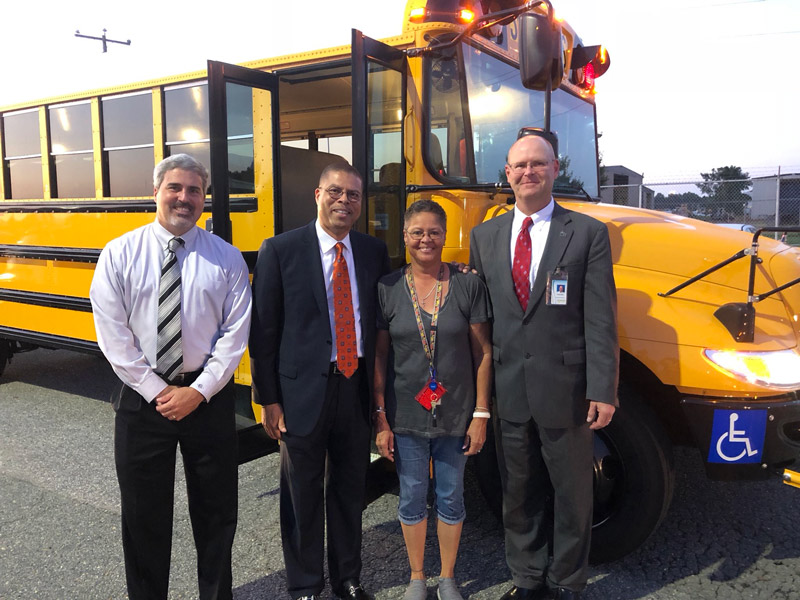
<point>540,54</point>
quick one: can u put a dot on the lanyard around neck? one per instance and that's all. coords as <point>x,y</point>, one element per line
<point>430,349</point>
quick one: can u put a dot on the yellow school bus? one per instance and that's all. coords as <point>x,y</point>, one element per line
<point>708,332</point>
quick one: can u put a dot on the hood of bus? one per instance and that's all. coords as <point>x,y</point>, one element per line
<point>654,252</point>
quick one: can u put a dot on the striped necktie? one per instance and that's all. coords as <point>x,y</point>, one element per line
<point>169,357</point>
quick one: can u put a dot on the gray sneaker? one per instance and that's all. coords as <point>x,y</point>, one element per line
<point>448,590</point>
<point>416,590</point>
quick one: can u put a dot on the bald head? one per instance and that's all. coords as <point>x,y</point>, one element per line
<point>531,169</point>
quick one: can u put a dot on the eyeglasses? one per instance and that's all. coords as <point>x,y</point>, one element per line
<point>418,234</point>
<point>337,192</point>
<point>534,165</point>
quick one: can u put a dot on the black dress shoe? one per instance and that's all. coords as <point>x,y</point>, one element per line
<point>564,594</point>
<point>521,593</point>
<point>352,590</point>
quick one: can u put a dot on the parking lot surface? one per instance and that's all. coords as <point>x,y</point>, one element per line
<point>60,539</point>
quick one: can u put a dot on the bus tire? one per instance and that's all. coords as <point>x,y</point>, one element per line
<point>634,477</point>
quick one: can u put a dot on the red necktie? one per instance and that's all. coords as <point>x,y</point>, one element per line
<point>344,320</point>
<point>520,272</point>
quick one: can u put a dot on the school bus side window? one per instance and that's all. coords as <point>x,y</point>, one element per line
<point>71,149</point>
<point>186,110</point>
<point>23,154</point>
<point>128,144</point>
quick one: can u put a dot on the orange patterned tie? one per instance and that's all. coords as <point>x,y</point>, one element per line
<point>344,320</point>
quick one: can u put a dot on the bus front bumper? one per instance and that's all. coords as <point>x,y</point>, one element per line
<point>745,438</point>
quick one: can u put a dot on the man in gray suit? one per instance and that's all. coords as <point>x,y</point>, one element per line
<point>556,360</point>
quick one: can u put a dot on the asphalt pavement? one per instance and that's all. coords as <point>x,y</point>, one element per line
<point>60,539</point>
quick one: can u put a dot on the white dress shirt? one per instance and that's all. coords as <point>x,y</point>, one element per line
<point>538,230</point>
<point>215,307</point>
<point>327,252</point>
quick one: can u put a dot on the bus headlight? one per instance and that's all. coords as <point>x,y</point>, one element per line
<point>779,369</point>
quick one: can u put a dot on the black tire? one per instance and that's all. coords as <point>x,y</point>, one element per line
<point>634,477</point>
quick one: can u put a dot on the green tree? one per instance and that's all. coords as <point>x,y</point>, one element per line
<point>724,189</point>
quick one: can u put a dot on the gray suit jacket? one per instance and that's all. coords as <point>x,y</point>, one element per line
<point>290,333</point>
<point>551,359</point>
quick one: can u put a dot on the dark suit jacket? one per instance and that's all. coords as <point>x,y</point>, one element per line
<point>551,359</point>
<point>290,334</point>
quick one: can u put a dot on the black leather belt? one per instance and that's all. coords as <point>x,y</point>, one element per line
<point>334,369</point>
<point>182,379</point>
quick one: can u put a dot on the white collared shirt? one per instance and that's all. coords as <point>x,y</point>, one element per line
<point>215,307</point>
<point>327,252</point>
<point>539,230</point>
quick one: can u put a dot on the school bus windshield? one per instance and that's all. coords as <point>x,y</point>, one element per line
<point>476,107</point>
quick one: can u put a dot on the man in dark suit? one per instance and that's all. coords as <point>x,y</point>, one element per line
<point>556,360</point>
<point>313,389</point>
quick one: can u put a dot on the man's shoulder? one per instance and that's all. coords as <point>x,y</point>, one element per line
<point>489,228</point>
<point>219,246</point>
<point>293,237</point>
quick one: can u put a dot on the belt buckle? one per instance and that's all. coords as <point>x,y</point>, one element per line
<point>335,368</point>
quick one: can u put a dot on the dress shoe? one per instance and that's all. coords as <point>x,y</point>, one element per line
<point>521,593</point>
<point>564,594</point>
<point>352,590</point>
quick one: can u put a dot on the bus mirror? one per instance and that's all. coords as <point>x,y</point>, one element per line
<point>540,55</point>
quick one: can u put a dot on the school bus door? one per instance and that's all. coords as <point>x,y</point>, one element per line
<point>379,109</point>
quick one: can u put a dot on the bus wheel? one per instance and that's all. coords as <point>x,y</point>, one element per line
<point>634,476</point>
<point>633,479</point>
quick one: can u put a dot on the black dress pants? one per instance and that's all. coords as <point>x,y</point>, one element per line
<point>145,450</point>
<point>529,455</point>
<point>323,475</point>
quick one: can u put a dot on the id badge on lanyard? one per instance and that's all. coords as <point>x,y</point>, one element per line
<point>557,287</point>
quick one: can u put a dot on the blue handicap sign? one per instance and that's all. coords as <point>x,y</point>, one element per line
<point>737,436</point>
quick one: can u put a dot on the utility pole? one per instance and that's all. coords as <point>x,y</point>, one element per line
<point>103,39</point>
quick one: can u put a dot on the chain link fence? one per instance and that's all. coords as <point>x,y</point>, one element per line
<point>758,197</point>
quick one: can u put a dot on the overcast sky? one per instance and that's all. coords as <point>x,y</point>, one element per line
<point>693,84</point>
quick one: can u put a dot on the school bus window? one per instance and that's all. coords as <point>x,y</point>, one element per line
<point>71,148</point>
<point>241,175</point>
<point>23,154</point>
<point>186,110</point>
<point>128,144</point>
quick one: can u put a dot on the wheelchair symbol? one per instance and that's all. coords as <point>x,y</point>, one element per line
<point>734,436</point>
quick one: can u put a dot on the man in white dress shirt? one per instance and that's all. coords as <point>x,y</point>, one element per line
<point>190,401</point>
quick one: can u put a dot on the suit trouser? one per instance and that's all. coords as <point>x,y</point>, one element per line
<point>145,449</point>
<point>324,474</point>
<point>528,456</point>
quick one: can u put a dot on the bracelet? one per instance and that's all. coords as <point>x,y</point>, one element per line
<point>481,414</point>
<point>482,408</point>
<point>380,409</point>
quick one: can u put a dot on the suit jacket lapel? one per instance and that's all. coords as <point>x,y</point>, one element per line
<point>503,235</point>
<point>557,241</point>
<point>314,261</point>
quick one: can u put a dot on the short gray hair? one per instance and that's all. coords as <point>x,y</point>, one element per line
<point>183,162</point>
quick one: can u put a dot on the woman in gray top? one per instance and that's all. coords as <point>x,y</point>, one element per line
<point>432,387</point>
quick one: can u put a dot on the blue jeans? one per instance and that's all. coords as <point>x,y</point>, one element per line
<point>412,455</point>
